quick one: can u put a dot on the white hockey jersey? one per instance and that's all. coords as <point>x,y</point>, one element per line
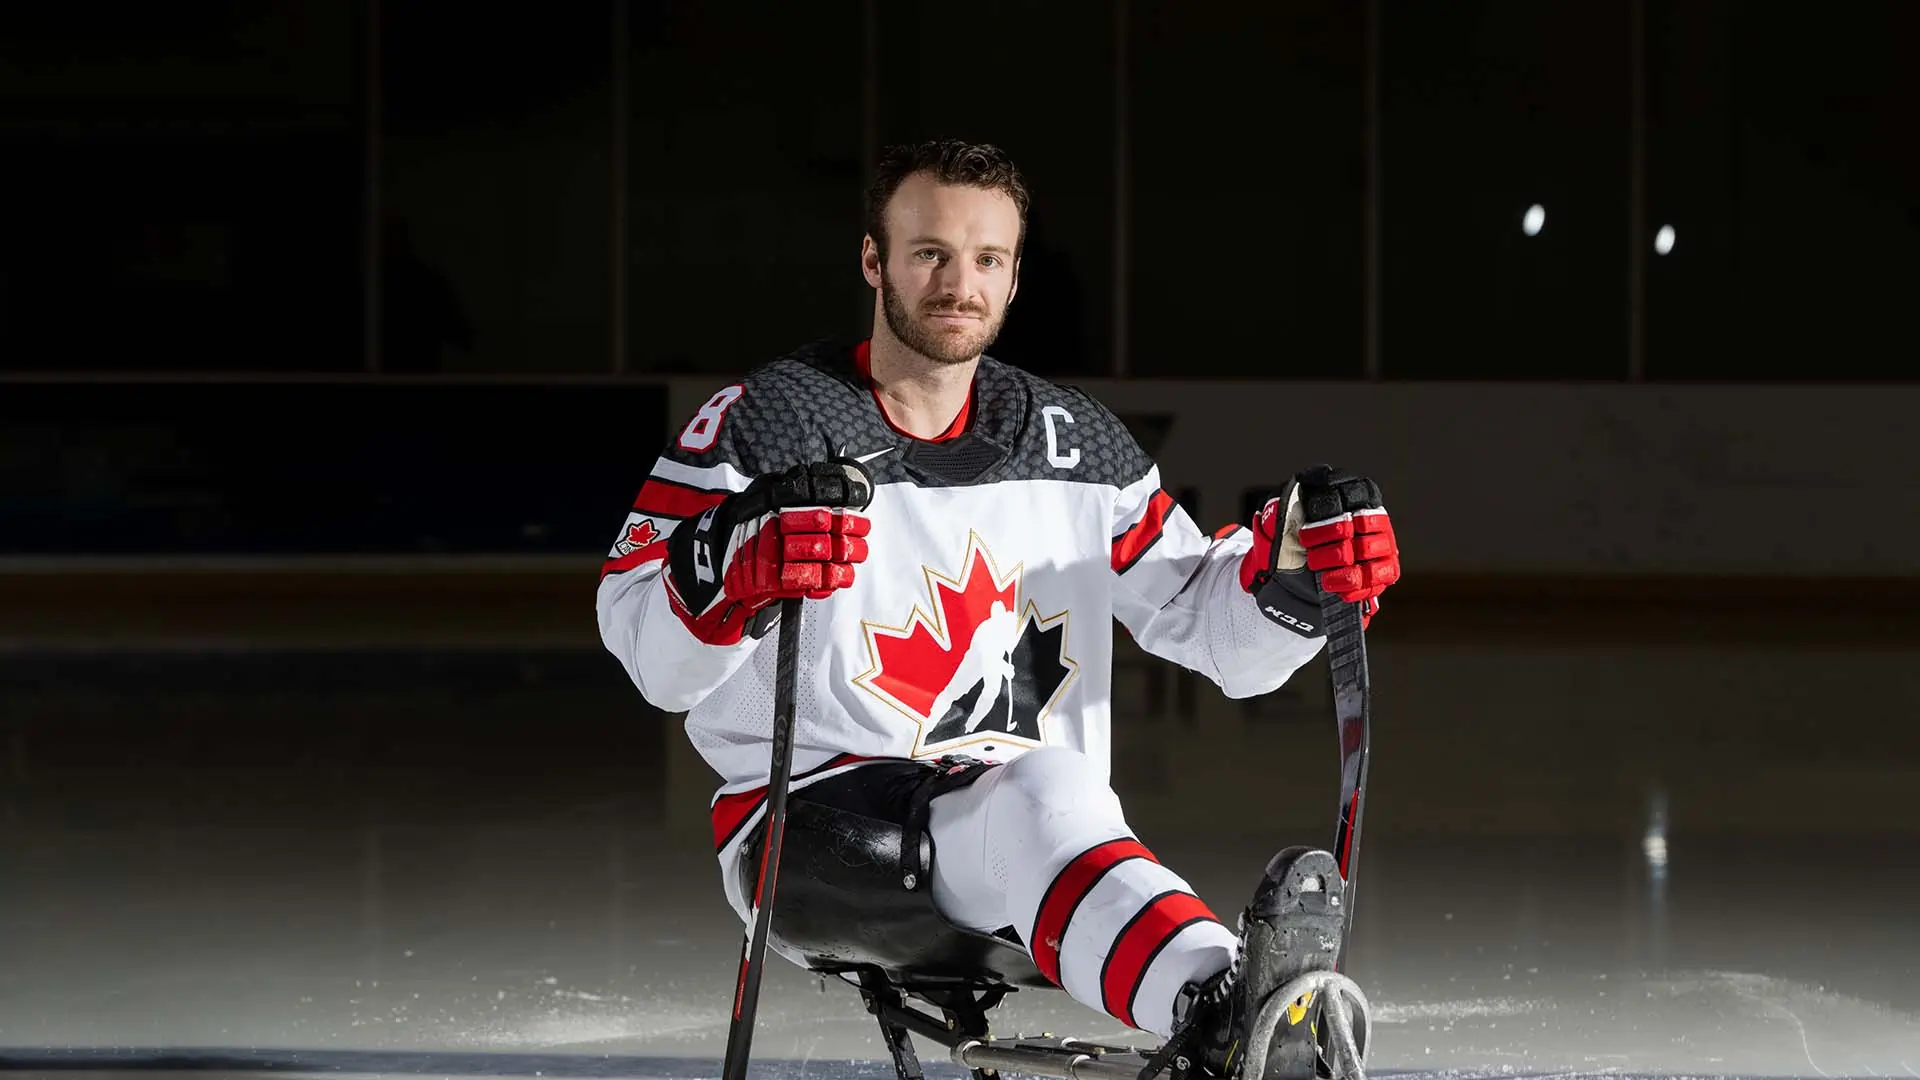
<point>982,620</point>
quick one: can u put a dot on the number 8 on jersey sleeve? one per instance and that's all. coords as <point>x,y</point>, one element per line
<point>702,431</point>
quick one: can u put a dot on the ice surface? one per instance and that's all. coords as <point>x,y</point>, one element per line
<point>471,956</point>
<point>323,905</point>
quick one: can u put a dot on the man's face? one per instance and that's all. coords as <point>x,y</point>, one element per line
<point>950,270</point>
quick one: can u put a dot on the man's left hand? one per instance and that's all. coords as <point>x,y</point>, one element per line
<point>1328,524</point>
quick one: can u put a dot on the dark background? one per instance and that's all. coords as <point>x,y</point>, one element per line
<point>336,335</point>
<point>247,197</point>
<point>205,186</point>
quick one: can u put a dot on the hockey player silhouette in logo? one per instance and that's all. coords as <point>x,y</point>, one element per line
<point>988,663</point>
<point>911,654</point>
<point>1012,670</point>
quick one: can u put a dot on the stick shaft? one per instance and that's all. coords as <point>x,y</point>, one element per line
<point>1352,711</point>
<point>753,952</point>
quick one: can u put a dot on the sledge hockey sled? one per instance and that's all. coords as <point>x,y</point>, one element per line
<point>853,902</point>
<point>852,907</point>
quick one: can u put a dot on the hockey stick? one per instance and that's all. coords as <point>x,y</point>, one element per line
<point>856,495</point>
<point>753,950</point>
<point>1352,709</point>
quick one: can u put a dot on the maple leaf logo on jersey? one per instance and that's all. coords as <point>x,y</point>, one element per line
<point>976,667</point>
<point>639,535</point>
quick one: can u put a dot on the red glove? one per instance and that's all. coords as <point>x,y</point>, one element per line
<point>803,554</point>
<point>1329,522</point>
<point>790,535</point>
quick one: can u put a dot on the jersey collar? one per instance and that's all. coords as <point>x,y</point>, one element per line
<point>863,362</point>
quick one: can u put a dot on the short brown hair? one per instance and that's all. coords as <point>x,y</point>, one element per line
<point>951,161</point>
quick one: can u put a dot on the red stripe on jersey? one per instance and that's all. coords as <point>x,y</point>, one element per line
<point>732,811</point>
<point>664,498</point>
<point>1139,943</point>
<point>1130,545</point>
<point>1070,886</point>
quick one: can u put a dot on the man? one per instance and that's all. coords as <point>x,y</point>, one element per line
<point>965,616</point>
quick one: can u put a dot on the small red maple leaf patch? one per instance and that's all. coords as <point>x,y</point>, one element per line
<point>639,544</point>
<point>632,547</point>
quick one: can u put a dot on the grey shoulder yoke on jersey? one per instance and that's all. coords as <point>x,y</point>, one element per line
<point>813,403</point>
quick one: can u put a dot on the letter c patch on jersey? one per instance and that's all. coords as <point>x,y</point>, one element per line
<point>1049,416</point>
<point>980,668</point>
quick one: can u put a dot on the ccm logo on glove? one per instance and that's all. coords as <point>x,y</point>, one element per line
<point>1328,531</point>
<point>790,535</point>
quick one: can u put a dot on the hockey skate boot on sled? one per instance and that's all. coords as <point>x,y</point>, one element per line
<point>1281,1011</point>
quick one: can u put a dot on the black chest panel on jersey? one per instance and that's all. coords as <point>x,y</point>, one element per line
<point>955,462</point>
<point>1020,427</point>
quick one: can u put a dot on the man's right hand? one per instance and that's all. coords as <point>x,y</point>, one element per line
<point>792,534</point>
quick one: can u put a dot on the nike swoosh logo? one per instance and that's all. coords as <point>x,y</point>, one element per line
<point>864,458</point>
